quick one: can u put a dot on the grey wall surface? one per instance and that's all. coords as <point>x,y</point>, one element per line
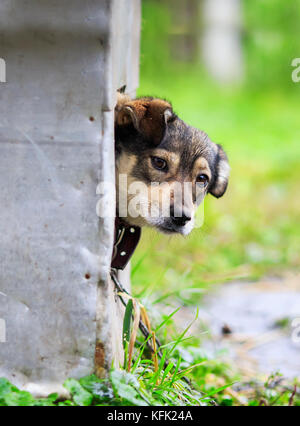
<point>63,66</point>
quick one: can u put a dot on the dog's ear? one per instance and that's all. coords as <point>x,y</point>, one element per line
<point>148,116</point>
<point>220,182</point>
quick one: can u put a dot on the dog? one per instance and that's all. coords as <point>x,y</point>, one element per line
<point>175,164</point>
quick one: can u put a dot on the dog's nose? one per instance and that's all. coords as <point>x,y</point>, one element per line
<point>180,220</point>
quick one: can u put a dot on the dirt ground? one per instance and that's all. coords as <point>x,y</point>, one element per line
<point>254,324</point>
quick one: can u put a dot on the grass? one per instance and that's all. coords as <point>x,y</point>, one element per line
<point>126,389</point>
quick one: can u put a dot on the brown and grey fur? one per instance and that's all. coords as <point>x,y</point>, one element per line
<point>148,127</point>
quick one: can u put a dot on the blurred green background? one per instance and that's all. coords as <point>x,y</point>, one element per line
<point>253,230</point>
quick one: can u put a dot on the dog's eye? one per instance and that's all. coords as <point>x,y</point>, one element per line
<point>203,180</point>
<point>159,163</point>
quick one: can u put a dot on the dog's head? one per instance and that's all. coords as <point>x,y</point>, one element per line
<point>164,167</point>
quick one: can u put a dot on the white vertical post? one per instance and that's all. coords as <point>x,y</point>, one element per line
<point>221,43</point>
<point>56,144</point>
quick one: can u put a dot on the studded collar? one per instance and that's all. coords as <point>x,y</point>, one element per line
<point>126,240</point>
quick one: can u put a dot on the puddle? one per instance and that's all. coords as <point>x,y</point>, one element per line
<point>258,319</point>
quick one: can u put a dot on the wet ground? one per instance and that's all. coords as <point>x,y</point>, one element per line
<point>254,324</point>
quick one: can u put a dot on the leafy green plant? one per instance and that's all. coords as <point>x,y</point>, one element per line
<point>10,395</point>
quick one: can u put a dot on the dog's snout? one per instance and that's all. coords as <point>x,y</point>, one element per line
<point>180,220</point>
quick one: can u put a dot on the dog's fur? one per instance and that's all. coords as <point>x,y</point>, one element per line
<point>147,128</point>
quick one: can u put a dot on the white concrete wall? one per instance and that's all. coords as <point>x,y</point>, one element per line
<point>63,66</point>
